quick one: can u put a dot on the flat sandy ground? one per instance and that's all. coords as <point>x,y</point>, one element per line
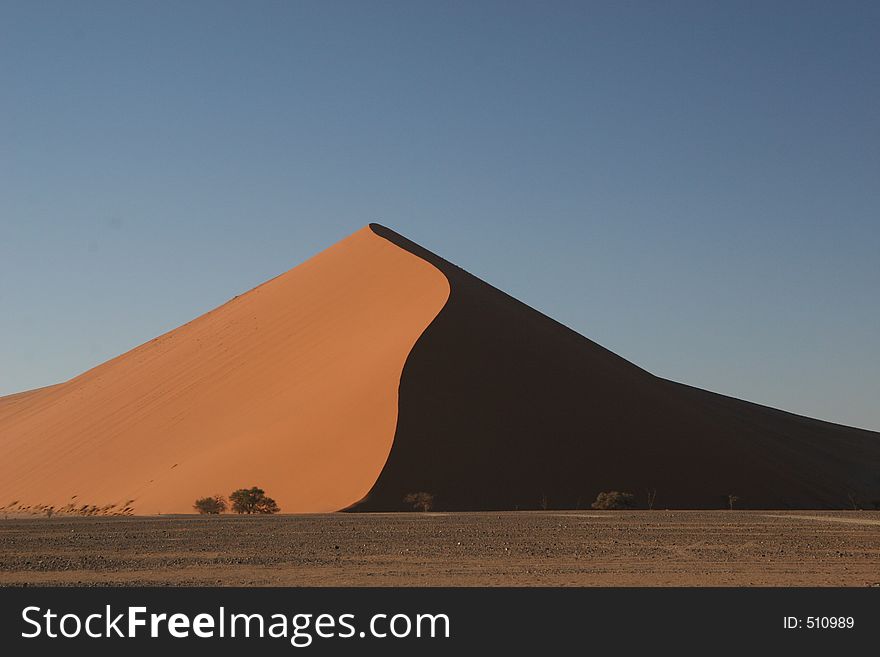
<point>551,548</point>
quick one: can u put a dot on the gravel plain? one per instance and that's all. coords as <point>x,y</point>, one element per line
<point>547,548</point>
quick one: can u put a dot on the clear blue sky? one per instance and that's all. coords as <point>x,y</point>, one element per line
<point>694,185</point>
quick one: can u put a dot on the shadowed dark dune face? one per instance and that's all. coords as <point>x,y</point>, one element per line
<point>501,407</point>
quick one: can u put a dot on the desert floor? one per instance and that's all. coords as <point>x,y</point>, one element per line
<point>549,548</point>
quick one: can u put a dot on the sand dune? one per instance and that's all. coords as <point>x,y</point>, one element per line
<point>502,407</point>
<point>291,386</point>
<point>377,369</point>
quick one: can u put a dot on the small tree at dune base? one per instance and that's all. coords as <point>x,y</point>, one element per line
<point>210,505</point>
<point>614,500</point>
<point>252,500</point>
<point>420,501</point>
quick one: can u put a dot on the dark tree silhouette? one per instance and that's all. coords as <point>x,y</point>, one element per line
<point>210,505</point>
<point>252,500</point>
<point>420,501</point>
<point>614,500</point>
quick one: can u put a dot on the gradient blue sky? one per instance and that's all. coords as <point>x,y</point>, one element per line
<point>694,185</point>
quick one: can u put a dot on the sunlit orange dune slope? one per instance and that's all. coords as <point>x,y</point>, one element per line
<point>378,369</point>
<point>291,387</point>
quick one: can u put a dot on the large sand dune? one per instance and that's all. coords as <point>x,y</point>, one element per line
<point>377,369</point>
<point>291,387</point>
<point>502,407</point>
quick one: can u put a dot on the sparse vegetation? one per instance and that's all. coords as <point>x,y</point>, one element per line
<point>854,500</point>
<point>420,501</point>
<point>252,500</point>
<point>613,499</point>
<point>211,505</point>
